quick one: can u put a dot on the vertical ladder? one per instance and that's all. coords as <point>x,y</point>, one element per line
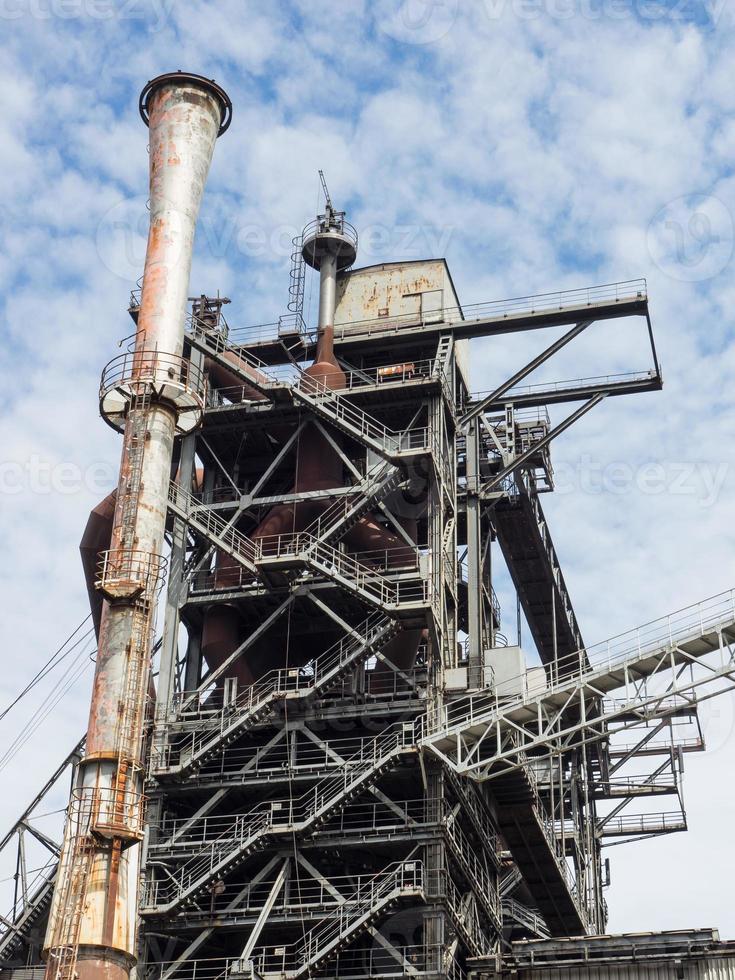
<point>139,417</point>
<point>65,950</point>
<point>297,277</point>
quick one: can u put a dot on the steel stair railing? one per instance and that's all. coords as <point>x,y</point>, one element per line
<point>286,549</point>
<point>341,568</point>
<point>402,880</point>
<point>344,415</point>
<point>486,891</point>
<point>213,527</point>
<point>548,829</point>
<point>528,918</point>
<point>249,831</point>
<point>463,913</point>
<point>257,699</point>
<point>510,881</point>
<point>251,370</point>
<point>345,512</point>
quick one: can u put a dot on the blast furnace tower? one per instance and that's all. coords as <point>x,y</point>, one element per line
<point>347,766</point>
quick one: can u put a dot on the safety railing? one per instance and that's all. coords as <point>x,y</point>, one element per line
<point>342,567</point>
<point>343,412</point>
<point>149,375</point>
<point>220,841</point>
<point>373,963</point>
<point>332,562</point>
<point>530,919</point>
<point>390,374</point>
<point>378,481</point>
<point>559,387</point>
<point>609,294</point>
<point>698,620</point>
<point>466,854</point>
<point>379,818</point>
<point>406,878</point>
<point>291,680</point>
<point>150,367</point>
<point>637,785</point>
<point>643,823</point>
<point>212,525</point>
<point>220,343</point>
<point>124,573</point>
<point>311,898</point>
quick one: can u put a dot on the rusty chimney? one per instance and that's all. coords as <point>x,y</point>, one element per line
<point>150,394</point>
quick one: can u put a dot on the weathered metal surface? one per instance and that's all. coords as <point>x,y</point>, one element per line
<point>396,289</point>
<point>95,901</point>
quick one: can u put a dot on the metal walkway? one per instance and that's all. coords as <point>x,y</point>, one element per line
<point>529,553</point>
<point>213,846</point>
<point>284,552</point>
<point>658,668</point>
<point>256,702</point>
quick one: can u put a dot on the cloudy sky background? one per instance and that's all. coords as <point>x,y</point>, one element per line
<point>538,144</point>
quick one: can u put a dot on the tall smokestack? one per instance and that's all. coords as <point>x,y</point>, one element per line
<point>330,245</point>
<point>150,394</point>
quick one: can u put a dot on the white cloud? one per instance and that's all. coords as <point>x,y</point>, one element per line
<point>542,147</point>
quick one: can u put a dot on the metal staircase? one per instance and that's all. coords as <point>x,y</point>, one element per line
<point>287,551</point>
<point>475,870</point>
<point>337,409</point>
<point>320,943</point>
<point>249,369</point>
<point>379,483</point>
<point>216,845</point>
<point>255,704</point>
<point>532,839</point>
<point>528,919</point>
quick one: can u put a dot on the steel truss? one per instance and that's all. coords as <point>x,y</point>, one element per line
<point>309,809</point>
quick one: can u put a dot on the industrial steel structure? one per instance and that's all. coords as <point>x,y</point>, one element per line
<point>344,769</point>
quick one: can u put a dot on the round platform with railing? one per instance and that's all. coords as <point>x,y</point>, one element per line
<point>320,239</point>
<point>108,812</point>
<point>141,378</point>
<point>124,575</point>
<point>182,78</point>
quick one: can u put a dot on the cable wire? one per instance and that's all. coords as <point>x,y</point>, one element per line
<point>50,664</point>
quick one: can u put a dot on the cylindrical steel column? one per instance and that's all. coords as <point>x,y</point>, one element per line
<point>327,290</point>
<point>91,932</point>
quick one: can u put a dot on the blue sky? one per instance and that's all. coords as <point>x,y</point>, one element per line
<point>538,144</point>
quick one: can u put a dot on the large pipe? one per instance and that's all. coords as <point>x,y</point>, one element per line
<point>91,931</point>
<point>95,540</point>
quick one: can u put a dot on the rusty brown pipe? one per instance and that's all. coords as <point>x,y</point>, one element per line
<point>222,378</point>
<point>96,539</point>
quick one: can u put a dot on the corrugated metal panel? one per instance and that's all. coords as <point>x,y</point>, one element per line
<point>24,973</point>
<point>715,968</point>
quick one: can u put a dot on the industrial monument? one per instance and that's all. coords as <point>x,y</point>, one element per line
<point>315,746</point>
